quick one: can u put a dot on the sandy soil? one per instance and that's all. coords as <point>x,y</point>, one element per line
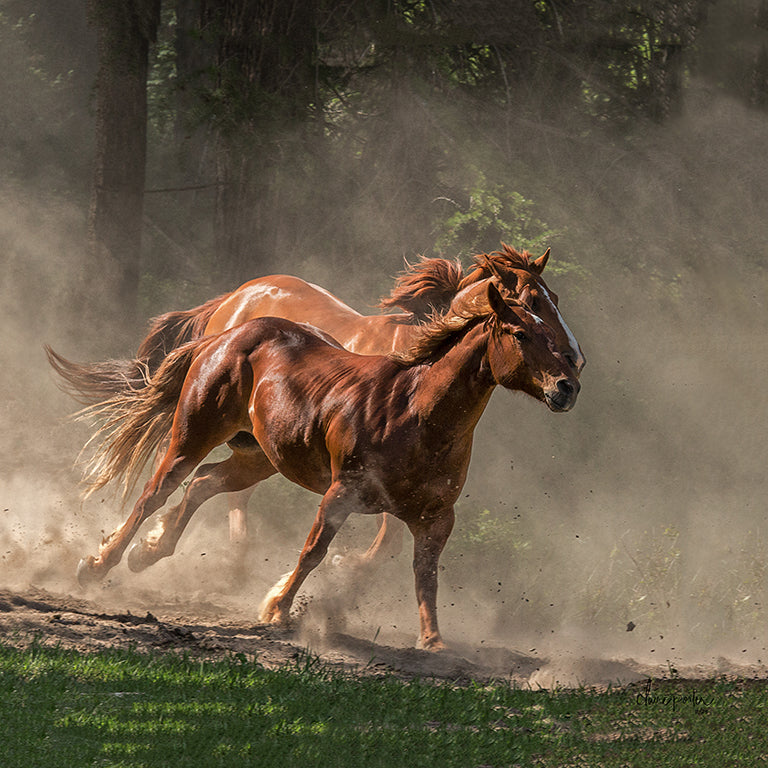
<point>214,629</point>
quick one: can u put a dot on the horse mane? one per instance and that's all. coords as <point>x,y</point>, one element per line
<point>441,329</point>
<point>425,287</point>
<point>496,262</point>
<point>429,286</point>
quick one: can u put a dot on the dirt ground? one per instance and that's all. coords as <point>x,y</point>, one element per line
<point>214,629</point>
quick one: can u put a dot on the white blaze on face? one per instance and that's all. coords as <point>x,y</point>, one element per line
<point>578,357</point>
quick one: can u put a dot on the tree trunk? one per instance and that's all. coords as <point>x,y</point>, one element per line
<point>125,29</point>
<point>265,85</point>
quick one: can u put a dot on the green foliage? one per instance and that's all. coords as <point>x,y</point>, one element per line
<point>493,214</point>
<point>162,79</point>
<point>488,534</point>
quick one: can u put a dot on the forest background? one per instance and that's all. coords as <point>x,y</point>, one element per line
<point>155,154</point>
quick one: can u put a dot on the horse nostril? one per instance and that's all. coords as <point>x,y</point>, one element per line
<point>563,395</point>
<point>566,387</point>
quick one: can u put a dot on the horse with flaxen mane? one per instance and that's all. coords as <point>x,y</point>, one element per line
<point>371,434</point>
<point>423,289</point>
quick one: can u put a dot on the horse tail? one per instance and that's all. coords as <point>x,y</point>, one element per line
<point>94,383</point>
<point>425,288</point>
<point>134,422</point>
<point>171,330</point>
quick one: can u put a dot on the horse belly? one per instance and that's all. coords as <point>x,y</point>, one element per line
<point>302,468</point>
<point>303,462</point>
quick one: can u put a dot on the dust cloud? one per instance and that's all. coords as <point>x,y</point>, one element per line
<point>633,527</point>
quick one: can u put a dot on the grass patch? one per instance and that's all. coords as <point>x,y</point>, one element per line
<point>123,708</point>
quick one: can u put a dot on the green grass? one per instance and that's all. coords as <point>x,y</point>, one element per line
<point>118,708</point>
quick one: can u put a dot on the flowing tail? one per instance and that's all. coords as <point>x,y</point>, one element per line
<point>134,422</point>
<point>91,383</point>
<point>94,383</point>
<point>425,288</point>
<point>171,330</point>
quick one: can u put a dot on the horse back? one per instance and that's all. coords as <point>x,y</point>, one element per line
<point>279,296</point>
<point>292,298</point>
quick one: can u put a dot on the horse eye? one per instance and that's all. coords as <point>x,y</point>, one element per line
<point>520,335</point>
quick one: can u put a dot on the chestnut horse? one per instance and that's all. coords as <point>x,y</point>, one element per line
<point>371,434</point>
<point>427,287</point>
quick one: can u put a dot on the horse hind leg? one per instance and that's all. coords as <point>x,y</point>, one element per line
<point>238,518</point>
<point>241,470</point>
<point>388,541</point>
<point>334,510</point>
<point>239,541</point>
<point>162,484</point>
<point>238,501</point>
<point>203,418</point>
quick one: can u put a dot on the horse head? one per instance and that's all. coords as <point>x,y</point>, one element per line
<point>523,353</point>
<point>516,272</point>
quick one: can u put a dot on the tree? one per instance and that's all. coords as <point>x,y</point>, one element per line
<point>257,90</point>
<point>339,127</point>
<point>125,29</point>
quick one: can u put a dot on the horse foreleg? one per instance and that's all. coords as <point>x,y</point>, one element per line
<point>334,510</point>
<point>429,538</point>
<point>241,470</point>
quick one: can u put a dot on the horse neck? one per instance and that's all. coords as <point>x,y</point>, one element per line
<point>456,387</point>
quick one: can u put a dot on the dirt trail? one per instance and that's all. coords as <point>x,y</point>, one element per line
<point>215,629</point>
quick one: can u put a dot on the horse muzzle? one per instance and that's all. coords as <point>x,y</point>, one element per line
<point>562,397</point>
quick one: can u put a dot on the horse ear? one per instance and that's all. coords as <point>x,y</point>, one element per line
<point>496,302</point>
<point>538,265</point>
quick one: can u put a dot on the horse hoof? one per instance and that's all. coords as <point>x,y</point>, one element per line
<point>135,558</point>
<point>434,645</point>
<point>85,573</point>
<point>268,614</point>
<point>272,613</point>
